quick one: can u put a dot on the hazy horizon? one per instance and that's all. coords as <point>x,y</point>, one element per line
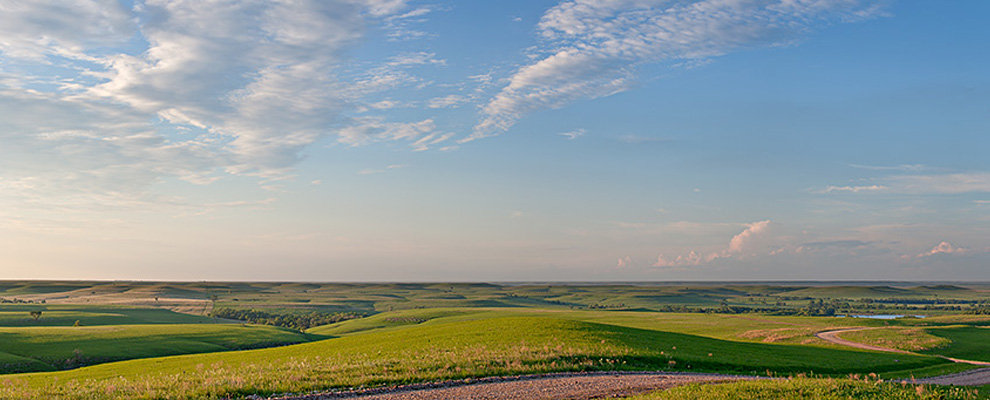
<point>518,141</point>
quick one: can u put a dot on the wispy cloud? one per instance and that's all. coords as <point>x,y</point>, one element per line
<point>373,171</point>
<point>974,182</point>
<point>902,167</point>
<point>571,135</point>
<point>449,101</point>
<point>594,46</point>
<point>855,189</point>
<point>922,184</point>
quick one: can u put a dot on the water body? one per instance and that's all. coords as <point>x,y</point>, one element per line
<point>884,316</point>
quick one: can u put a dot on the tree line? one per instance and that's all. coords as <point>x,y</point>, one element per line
<point>299,321</point>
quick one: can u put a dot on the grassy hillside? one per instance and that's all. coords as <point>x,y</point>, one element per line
<point>444,351</point>
<point>56,348</point>
<point>750,328</point>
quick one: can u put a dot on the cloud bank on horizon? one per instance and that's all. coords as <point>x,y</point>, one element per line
<point>111,109</point>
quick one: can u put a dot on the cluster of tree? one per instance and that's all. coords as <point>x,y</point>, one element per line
<point>981,310</point>
<point>18,301</point>
<point>300,321</point>
<point>920,301</point>
<point>598,306</point>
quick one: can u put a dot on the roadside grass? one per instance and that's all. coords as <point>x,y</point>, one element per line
<point>57,348</point>
<point>12,315</point>
<point>486,347</point>
<point>901,338</point>
<point>934,370</point>
<point>815,389</point>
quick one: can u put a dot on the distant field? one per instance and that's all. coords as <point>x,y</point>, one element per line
<point>791,298</point>
<point>55,348</point>
<point>443,351</point>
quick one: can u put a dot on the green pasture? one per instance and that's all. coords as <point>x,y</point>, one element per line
<point>966,342</point>
<point>467,348</point>
<point>55,348</point>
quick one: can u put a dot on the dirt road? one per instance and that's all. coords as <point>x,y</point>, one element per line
<point>545,387</point>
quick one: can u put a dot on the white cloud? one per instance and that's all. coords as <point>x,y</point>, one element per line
<point>571,135</point>
<point>594,46</point>
<point>623,262</point>
<point>34,30</point>
<point>740,246</point>
<point>190,90</point>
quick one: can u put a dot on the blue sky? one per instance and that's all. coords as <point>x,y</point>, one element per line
<point>371,140</point>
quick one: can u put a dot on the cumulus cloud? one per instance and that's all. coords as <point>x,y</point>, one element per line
<point>593,47</point>
<point>943,248</point>
<point>740,246</point>
<point>623,262</point>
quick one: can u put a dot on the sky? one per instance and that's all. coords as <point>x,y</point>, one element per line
<point>516,140</point>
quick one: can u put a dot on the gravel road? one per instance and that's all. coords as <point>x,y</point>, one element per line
<point>975,377</point>
<point>544,387</point>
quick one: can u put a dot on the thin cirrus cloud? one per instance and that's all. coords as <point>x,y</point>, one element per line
<point>592,48</point>
<point>740,246</point>
<point>922,184</point>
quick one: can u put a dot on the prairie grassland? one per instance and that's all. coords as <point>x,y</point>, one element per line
<point>498,346</point>
<point>816,389</point>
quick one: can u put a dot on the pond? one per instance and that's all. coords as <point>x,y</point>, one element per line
<point>883,316</point>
